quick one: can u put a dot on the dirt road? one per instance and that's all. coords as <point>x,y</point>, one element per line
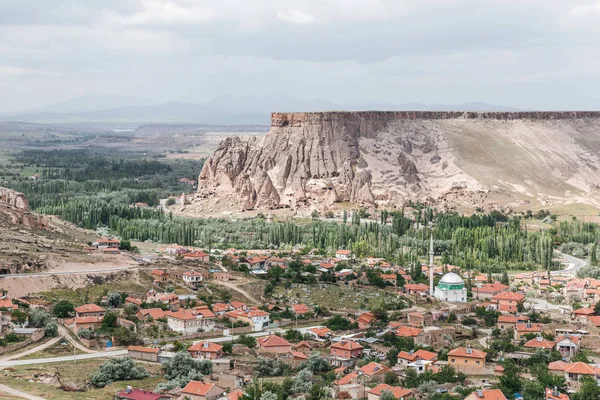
<point>244,293</point>
<point>18,393</point>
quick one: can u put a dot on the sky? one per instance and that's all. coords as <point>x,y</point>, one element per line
<point>531,54</point>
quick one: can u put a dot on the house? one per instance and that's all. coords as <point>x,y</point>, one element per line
<point>154,313</point>
<point>539,342</point>
<point>133,300</point>
<point>320,333</point>
<point>416,289</point>
<point>508,301</point>
<point>159,275</point>
<point>407,331</point>
<point>325,267</point>
<point>235,395</point>
<point>349,387</point>
<point>390,278</point>
<point>192,278</point>
<point>175,249</point>
<point>105,243</point>
<point>344,353</point>
<point>467,360</point>
<point>373,371</point>
<point>399,393</point>
<point>300,309</point>
<point>163,298</point>
<point>553,394</point>
<point>490,394</point>
<point>419,319</point>
<point>568,345</point>
<point>510,321</point>
<point>140,394</point>
<point>206,350</point>
<point>582,314</point>
<point>343,254</point>
<point>89,310</point>
<point>7,304</point>
<point>488,290</point>
<point>91,323</point>
<point>143,353</point>
<point>405,358</point>
<point>190,321</point>
<point>278,262</point>
<point>196,390</point>
<point>197,255</point>
<point>258,319</point>
<point>365,320</point>
<point>303,347</point>
<point>576,370</point>
<point>524,329</point>
<point>274,344</point>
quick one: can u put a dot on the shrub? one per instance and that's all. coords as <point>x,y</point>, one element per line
<point>51,329</point>
<point>63,309</point>
<point>117,369</point>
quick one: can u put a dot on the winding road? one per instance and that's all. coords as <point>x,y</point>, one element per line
<point>573,264</point>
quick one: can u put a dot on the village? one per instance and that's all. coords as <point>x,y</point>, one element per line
<point>439,332</point>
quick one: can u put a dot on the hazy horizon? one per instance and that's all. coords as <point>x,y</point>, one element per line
<point>534,54</point>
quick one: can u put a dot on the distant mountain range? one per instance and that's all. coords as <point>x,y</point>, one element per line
<point>228,110</point>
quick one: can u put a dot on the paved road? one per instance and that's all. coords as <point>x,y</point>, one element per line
<point>12,363</point>
<point>573,265</point>
<point>258,334</point>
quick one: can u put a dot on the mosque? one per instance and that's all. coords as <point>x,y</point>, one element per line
<point>450,288</point>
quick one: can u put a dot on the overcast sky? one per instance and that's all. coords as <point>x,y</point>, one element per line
<point>536,54</point>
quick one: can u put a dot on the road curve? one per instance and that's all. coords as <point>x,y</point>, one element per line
<point>12,363</point>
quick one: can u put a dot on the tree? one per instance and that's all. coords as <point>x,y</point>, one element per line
<point>19,316</point>
<point>504,279</point>
<point>114,299</point>
<point>268,396</point>
<point>392,356</point>
<point>387,395</point>
<point>317,363</point>
<point>182,368</point>
<point>248,341</point>
<point>588,390</point>
<point>271,367</point>
<point>38,318</point>
<point>110,320</point>
<point>451,317</point>
<point>117,369</point>
<point>597,308</point>
<point>63,309</point>
<point>303,381</point>
<point>227,347</point>
<point>510,382</point>
<point>51,329</point>
<point>391,378</point>
<point>534,390</point>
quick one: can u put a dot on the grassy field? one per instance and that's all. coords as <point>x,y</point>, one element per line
<point>95,292</point>
<point>58,350</point>
<point>77,373</point>
<point>336,297</point>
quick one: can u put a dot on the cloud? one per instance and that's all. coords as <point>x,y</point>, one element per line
<point>586,9</point>
<point>297,17</point>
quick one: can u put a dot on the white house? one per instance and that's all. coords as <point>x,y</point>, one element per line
<point>190,321</point>
<point>343,254</point>
<point>192,277</point>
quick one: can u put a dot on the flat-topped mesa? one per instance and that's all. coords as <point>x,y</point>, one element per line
<point>386,158</point>
<point>296,119</point>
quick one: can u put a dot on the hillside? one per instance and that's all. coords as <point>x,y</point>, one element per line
<point>454,160</point>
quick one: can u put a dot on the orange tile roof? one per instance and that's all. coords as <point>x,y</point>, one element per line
<point>491,288</point>
<point>366,317</point>
<point>574,339</point>
<point>492,394</point>
<point>206,346</point>
<point>346,379</point>
<point>559,396</point>
<point>346,345</point>
<point>6,303</point>
<point>235,395</point>
<point>509,296</point>
<point>88,320</point>
<point>407,331</point>
<point>238,304</point>
<point>462,352</point>
<point>557,365</point>
<point>89,308</point>
<point>272,341</point>
<point>580,368</point>
<point>155,313</point>
<point>397,391</point>
<point>539,343</point>
<point>158,272</point>
<point>594,319</point>
<point>198,388</point>
<point>373,368</point>
<point>512,318</point>
<point>321,332</point>
<point>143,349</point>
<point>303,343</point>
<point>300,308</point>
<point>416,286</point>
<point>584,311</point>
<point>298,354</point>
<point>419,354</point>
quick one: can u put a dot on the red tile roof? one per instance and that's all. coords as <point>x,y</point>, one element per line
<point>397,391</point>
<point>346,345</point>
<point>143,349</point>
<point>580,368</point>
<point>373,368</point>
<point>514,296</point>
<point>407,331</point>
<point>492,394</point>
<point>89,308</point>
<point>272,341</point>
<point>463,352</point>
<point>140,394</point>
<point>197,388</point>
<point>208,347</point>
<point>351,377</point>
<point>539,343</point>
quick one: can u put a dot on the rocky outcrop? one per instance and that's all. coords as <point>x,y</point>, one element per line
<point>16,207</point>
<point>316,159</point>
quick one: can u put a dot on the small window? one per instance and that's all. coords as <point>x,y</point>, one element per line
<point>477,362</point>
<point>466,361</point>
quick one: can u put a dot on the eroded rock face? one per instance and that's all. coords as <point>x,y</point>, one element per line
<point>16,206</point>
<point>386,158</point>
